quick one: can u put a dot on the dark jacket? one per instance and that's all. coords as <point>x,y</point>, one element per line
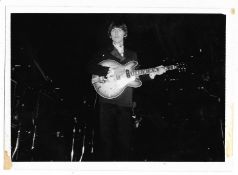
<point>126,98</point>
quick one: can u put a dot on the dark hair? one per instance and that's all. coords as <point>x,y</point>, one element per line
<point>120,25</point>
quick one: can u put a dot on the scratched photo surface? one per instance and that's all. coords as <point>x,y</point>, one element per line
<point>179,115</point>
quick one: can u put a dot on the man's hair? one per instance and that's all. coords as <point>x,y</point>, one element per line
<point>120,25</point>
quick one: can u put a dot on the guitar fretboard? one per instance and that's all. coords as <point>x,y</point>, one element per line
<point>150,70</point>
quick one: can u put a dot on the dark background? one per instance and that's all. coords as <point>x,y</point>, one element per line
<point>175,104</point>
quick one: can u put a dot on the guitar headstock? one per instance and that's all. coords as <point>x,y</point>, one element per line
<point>181,67</point>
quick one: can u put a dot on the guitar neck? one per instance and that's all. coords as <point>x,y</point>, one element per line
<point>150,70</point>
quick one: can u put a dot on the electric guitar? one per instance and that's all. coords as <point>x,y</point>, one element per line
<point>112,86</point>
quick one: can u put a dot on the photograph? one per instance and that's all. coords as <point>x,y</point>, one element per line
<point>117,87</point>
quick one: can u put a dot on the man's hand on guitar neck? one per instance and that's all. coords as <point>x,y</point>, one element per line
<point>161,70</point>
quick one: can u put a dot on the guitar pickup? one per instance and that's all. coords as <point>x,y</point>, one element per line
<point>128,74</point>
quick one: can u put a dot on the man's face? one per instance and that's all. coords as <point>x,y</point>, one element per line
<point>117,35</point>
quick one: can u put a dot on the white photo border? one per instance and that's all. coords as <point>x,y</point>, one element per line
<point>230,106</point>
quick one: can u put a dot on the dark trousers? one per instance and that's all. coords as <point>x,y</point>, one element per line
<point>115,132</point>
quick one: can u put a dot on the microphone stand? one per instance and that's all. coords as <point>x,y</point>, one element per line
<point>73,139</point>
<point>35,126</point>
<point>16,149</point>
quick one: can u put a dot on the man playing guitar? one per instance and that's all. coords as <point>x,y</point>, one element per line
<point>111,69</point>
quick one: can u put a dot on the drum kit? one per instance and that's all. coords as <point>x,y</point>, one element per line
<point>40,129</point>
<point>37,129</point>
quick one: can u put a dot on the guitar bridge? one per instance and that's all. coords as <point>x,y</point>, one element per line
<point>128,74</point>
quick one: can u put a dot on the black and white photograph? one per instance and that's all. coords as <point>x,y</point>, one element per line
<point>118,87</point>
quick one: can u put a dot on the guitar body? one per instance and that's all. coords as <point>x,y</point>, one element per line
<point>113,86</point>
